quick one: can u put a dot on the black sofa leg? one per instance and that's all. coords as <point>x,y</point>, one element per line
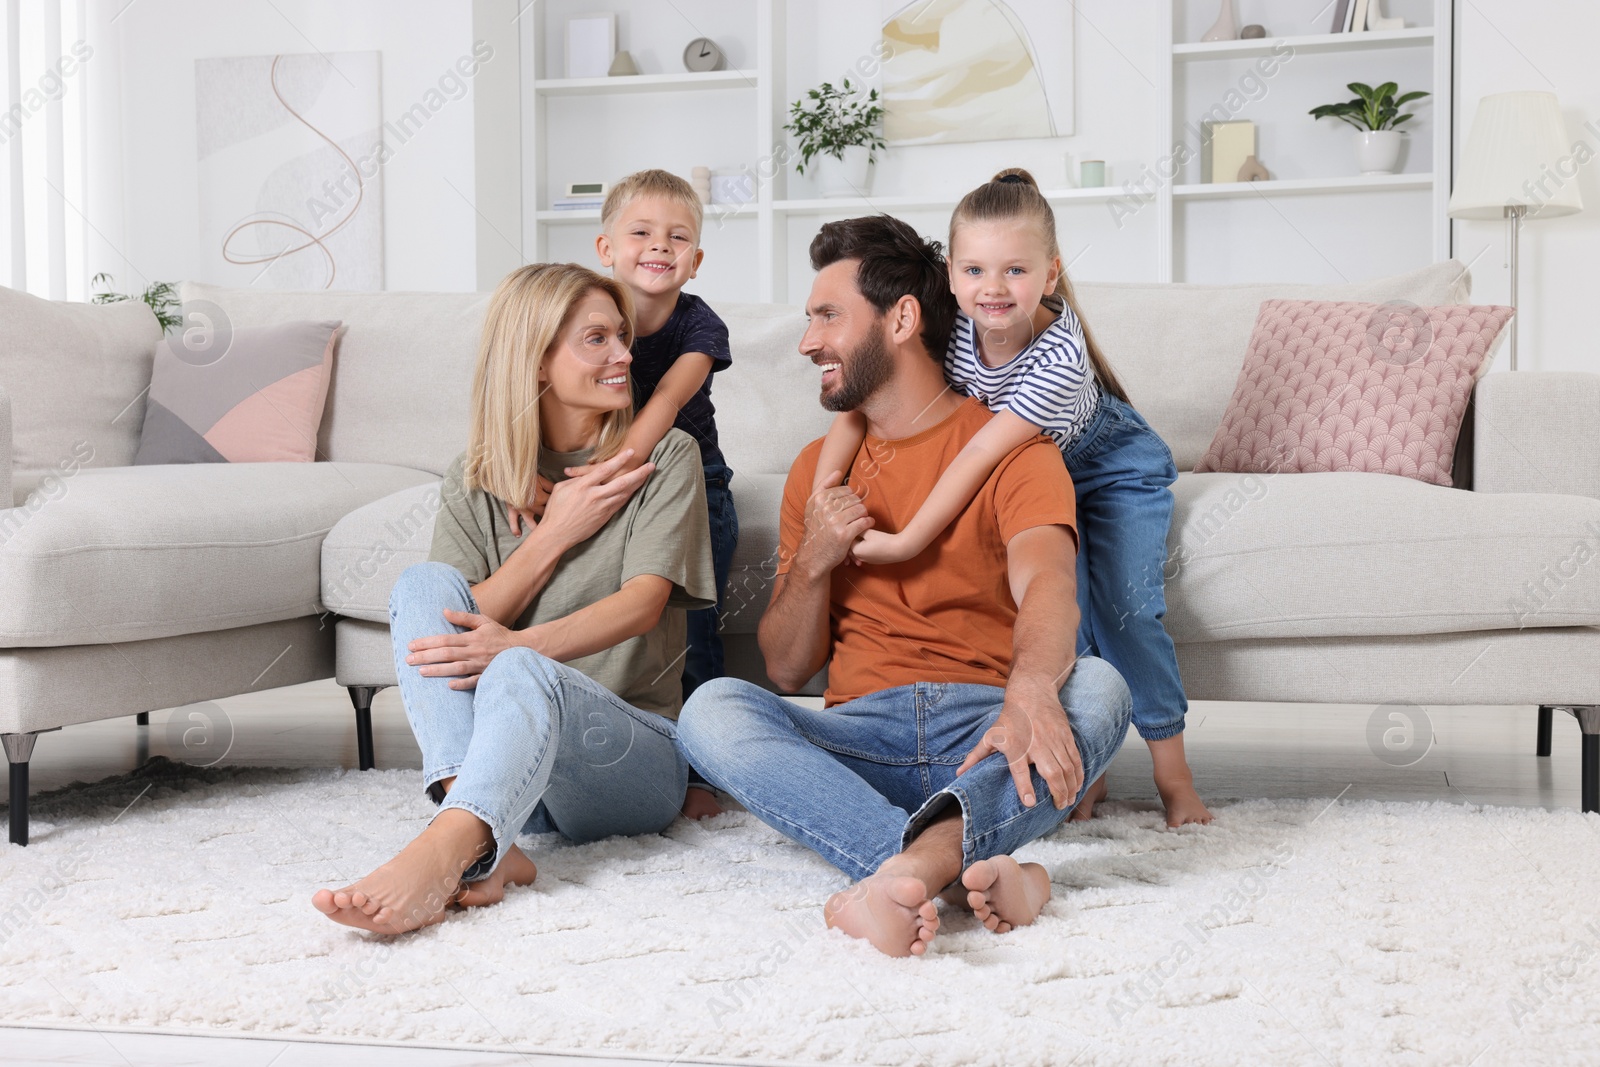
<point>1541,744</point>
<point>361,696</point>
<point>19,750</point>
<point>142,719</point>
<point>1589,722</point>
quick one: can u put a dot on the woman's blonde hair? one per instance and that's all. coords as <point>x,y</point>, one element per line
<point>1014,195</point>
<point>524,321</point>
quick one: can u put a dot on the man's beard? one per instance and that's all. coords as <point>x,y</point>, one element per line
<point>867,368</point>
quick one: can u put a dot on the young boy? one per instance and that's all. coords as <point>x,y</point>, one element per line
<point>650,238</point>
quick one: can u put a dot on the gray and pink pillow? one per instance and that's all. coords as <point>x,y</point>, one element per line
<point>1344,386</point>
<point>257,400</point>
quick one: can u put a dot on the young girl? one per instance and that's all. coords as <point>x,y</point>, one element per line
<point>1020,347</point>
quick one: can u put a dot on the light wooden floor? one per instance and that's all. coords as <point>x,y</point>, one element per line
<point>1476,755</point>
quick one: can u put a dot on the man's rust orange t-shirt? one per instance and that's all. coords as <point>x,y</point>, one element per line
<point>947,614</point>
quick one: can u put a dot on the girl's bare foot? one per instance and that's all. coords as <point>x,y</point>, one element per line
<point>892,912</point>
<point>1092,796</point>
<point>1183,804</point>
<point>1004,893</point>
<point>413,889</point>
<point>515,869</point>
<point>700,804</point>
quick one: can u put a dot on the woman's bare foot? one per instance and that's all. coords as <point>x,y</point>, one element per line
<point>892,912</point>
<point>1004,893</point>
<point>1092,796</point>
<point>413,889</point>
<point>1183,804</point>
<point>515,869</point>
<point>700,804</point>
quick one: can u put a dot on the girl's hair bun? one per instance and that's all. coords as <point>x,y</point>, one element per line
<point>1015,176</point>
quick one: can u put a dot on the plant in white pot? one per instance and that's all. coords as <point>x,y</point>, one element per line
<point>1375,113</point>
<point>837,129</point>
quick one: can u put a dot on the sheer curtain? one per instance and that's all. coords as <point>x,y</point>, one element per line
<point>59,198</point>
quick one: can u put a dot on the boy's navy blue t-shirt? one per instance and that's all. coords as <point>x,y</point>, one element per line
<point>692,327</point>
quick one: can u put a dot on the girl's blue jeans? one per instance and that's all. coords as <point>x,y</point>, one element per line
<point>537,746</point>
<point>1122,471</point>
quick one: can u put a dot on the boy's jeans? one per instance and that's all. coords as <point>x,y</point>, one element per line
<point>858,781</point>
<point>704,659</point>
<point>537,746</point>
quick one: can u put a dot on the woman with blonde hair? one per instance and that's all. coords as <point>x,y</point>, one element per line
<point>541,670</point>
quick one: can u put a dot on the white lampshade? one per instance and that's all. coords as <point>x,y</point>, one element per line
<point>1514,157</point>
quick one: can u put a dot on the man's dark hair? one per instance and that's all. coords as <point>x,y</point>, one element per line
<point>893,261</point>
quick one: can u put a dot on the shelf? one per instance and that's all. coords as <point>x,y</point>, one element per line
<point>645,83</point>
<point>1315,42</point>
<point>737,211</point>
<point>1382,183</point>
<point>831,205</point>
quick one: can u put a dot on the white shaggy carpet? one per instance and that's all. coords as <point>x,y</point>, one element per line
<point>1305,932</point>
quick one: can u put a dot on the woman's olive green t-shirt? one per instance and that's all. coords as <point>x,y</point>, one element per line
<point>661,530</point>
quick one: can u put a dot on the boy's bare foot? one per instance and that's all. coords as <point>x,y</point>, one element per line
<point>892,912</point>
<point>1091,796</point>
<point>700,804</point>
<point>1004,893</point>
<point>515,869</point>
<point>413,889</point>
<point>1183,804</point>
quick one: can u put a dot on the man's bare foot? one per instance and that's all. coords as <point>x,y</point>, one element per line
<point>700,804</point>
<point>892,912</point>
<point>1092,796</point>
<point>413,889</point>
<point>515,869</point>
<point>1183,804</point>
<point>1004,893</point>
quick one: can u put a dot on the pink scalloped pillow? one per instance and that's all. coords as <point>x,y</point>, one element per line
<point>1345,386</point>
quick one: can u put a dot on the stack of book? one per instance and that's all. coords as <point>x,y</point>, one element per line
<point>1355,16</point>
<point>578,203</point>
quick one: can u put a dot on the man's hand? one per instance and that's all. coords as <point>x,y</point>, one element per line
<point>529,517</point>
<point>460,657</point>
<point>836,517</point>
<point>1032,731</point>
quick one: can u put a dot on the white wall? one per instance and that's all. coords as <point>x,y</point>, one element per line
<point>429,240</point>
<point>1505,45</point>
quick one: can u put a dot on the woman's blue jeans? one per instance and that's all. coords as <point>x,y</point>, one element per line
<point>858,781</point>
<point>1122,471</point>
<point>537,746</point>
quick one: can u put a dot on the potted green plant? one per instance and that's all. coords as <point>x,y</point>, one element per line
<point>837,129</point>
<point>1375,113</point>
<point>160,297</point>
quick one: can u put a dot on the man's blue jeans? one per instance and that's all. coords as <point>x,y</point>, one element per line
<point>537,746</point>
<point>858,781</point>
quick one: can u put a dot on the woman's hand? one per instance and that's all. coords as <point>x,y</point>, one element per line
<point>579,506</point>
<point>461,657</point>
<point>529,517</point>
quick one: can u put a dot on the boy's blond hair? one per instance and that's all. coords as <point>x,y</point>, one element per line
<point>651,183</point>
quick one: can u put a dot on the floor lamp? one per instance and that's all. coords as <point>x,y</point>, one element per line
<point>1514,168</point>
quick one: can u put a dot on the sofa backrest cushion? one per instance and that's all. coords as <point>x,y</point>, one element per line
<point>1178,348</point>
<point>767,402</point>
<point>402,371</point>
<point>77,375</point>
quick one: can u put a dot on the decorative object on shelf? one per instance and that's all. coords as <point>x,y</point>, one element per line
<point>976,70</point>
<point>1505,171</point>
<point>1226,28</point>
<point>1253,171</point>
<point>1376,21</point>
<point>1224,146</point>
<point>1341,16</point>
<point>591,45</point>
<point>700,182</point>
<point>839,129</point>
<point>1253,32</point>
<point>1092,174</point>
<point>702,56</point>
<point>733,187</point>
<point>1375,113</point>
<point>623,65</point>
<point>582,196</point>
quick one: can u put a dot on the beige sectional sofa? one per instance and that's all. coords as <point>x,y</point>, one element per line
<point>128,589</point>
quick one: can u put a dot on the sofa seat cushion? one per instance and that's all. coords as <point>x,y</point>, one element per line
<point>757,496</point>
<point>365,552</point>
<point>130,553</point>
<point>1344,554</point>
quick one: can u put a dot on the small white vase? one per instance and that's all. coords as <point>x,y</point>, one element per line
<point>1377,151</point>
<point>851,176</point>
<point>1226,28</point>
